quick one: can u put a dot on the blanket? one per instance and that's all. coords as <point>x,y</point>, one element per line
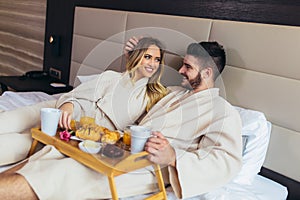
<point>208,149</point>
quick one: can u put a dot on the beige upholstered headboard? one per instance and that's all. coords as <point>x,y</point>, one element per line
<point>262,70</point>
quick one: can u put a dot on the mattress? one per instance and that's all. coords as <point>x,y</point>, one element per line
<point>260,189</point>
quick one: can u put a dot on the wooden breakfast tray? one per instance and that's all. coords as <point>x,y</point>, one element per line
<point>110,167</point>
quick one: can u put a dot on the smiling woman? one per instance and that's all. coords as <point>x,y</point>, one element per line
<point>114,92</point>
<point>149,63</point>
<point>114,99</point>
<point>146,60</point>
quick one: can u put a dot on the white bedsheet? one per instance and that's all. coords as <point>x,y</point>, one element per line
<point>11,100</point>
<point>261,189</point>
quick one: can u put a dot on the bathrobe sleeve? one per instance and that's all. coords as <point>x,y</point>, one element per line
<point>214,162</point>
<point>84,96</point>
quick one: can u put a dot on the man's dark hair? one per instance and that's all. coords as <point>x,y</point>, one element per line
<point>205,51</point>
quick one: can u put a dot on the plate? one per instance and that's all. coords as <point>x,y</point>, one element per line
<point>90,146</point>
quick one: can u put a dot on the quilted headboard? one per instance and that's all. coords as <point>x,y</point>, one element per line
<point>262,70</point>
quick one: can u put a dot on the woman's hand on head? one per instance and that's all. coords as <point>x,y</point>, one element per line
<point>161,152</point>
<point>130,44</point>
<point>66,115</point>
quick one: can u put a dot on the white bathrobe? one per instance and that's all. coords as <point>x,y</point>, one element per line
<point>15,133</point>
<point>204,129</point>
<point>112,98</point>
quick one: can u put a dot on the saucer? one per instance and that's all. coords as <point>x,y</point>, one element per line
<point>90,146</point>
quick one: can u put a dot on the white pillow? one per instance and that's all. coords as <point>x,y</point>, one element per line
<point>83,78</point>
<point>256,132</point>
<point>87,78</point>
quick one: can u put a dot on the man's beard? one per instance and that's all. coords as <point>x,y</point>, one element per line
<point>193,83</point>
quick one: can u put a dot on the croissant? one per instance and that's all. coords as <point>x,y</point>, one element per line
<point>97,133</point>
<point>90,132</point>
<point>110,137</point>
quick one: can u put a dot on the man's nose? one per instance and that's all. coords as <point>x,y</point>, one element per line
<point>181,69</point>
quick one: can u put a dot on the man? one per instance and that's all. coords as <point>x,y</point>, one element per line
<point>209,126</point>
<point>198,140</point>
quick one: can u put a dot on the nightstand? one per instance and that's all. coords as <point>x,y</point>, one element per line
<point>27,84</point>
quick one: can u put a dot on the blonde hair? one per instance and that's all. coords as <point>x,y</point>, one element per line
<point>154,89</point>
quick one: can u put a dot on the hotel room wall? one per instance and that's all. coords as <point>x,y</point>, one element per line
<point>22,29</point>
<point>60,20</point>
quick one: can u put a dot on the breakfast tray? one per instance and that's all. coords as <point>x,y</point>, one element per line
<point>107,166</point>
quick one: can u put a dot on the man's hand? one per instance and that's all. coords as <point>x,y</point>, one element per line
<point>66,115</point>
<point>130,44</point>
<point>161,152</point>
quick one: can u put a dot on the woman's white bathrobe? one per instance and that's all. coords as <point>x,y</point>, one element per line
<point>15,133</point>
<point>111,95</point>
<point>111,98</point>
<point>203,128</point>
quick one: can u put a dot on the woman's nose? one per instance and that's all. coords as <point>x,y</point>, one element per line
<point>153,62</point>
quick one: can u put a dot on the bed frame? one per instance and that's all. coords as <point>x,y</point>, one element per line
<point>261,72</point>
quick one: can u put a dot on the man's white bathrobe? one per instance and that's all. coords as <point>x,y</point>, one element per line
<point>203,128</point>
<point>205,131</point>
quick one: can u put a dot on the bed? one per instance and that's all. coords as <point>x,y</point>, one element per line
<point>246,185</point>
<point>254,77</point>
<point>264,126</point>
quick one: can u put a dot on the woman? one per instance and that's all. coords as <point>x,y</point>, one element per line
<point>115,99</point>
<point>143,86</point>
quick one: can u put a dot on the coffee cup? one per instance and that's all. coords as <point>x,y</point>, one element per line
<point>139,136</point>
<point>49,120</point>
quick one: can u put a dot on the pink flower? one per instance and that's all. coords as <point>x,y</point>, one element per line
<point>65,135</point>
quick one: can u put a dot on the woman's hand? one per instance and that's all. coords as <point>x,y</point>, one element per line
<point>130,44</point>
<point>66,115</point>
<point>161,152</point>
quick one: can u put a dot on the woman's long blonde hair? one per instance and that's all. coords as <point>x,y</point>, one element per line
<point>155,90</point>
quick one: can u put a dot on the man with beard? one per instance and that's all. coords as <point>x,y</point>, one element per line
<point>196,139</point>
<point>200,137</point>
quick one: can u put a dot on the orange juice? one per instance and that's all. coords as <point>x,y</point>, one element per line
<point>126,137</point>
<point>87,120</point>
<point>73,125</point>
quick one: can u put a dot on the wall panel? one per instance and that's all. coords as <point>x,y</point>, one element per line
<point>22,30</point>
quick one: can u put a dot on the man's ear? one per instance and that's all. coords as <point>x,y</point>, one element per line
<point>207,73</point>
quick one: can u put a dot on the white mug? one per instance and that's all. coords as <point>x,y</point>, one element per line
<point>49,120</point>
<point>139,136</point>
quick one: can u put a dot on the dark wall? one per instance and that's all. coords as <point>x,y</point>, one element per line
<point>59,21</point>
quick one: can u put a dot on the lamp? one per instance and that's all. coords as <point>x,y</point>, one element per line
<point>55,45</point>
